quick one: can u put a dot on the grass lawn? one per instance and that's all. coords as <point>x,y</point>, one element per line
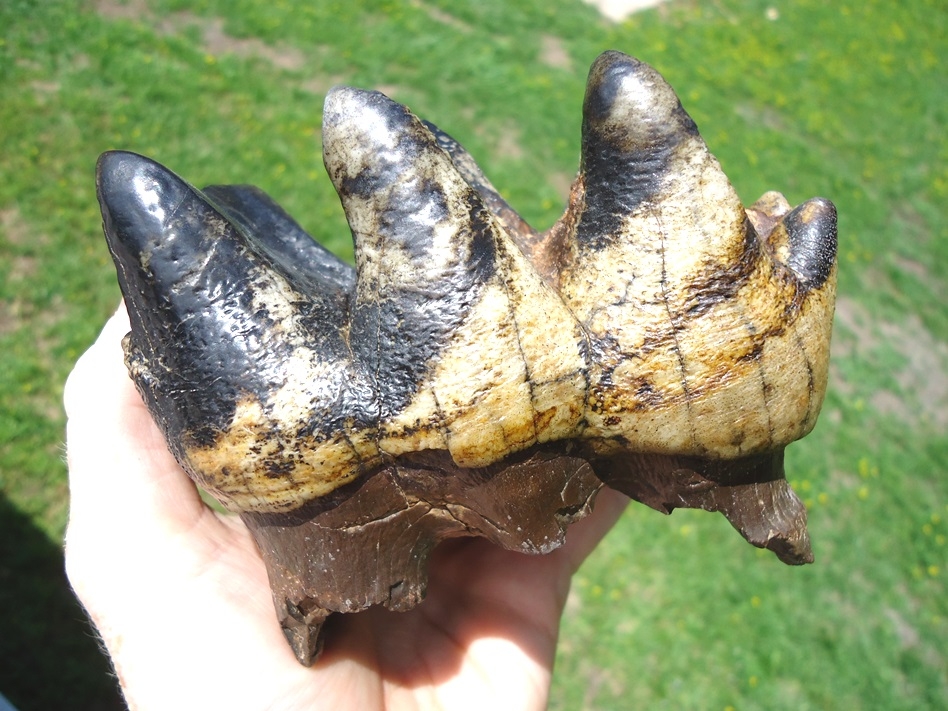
<point>848,100</point>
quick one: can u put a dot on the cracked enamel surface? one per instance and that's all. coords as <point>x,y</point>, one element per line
<point>659,338</point>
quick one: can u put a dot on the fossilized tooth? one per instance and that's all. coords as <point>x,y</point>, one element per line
<point>471,375</point>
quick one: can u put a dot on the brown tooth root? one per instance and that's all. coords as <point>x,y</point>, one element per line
<point>472,376</point>
<point>373,547</point>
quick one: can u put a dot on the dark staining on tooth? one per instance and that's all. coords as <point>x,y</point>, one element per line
<point>492,200</point>
<point>474,376</point>
<point>483,246</point>
<point>720,284</point>
<point>619,179</point>
<point>277,468</point>
<point>753,355</point>
<point>293,252</point>
<point>812,231</point>
<point>369,181</point>
<point>403,333</point>
<point>412,216</point>
<point>647,395</point>
<point>626,160</point>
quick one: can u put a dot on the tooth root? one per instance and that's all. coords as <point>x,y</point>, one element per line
<point>303,629</point>
<point>769,515</point>
<point>425,245</point>
<point>374,546</point>
<point>751,493</point>
<point>754,496</point>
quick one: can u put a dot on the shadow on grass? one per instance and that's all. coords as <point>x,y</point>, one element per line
<point>49,658</point>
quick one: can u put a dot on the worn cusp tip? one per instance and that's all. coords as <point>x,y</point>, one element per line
<point>811,228</point>
<point>137,196</point>
<point>629,101</point>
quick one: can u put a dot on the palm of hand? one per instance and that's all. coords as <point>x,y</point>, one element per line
<point>181,599</point>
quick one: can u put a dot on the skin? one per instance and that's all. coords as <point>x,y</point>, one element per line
<point>180,597</point>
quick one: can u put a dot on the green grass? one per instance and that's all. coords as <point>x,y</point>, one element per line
<point>847,99</point>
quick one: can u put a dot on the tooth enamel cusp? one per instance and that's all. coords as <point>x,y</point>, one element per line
<point>471,375</point>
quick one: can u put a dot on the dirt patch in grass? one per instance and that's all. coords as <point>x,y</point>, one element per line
<point>215,40</point>
<point>321,84</point>
<point>25,242</point>
<point>599,679</point>
<point>922,377</point>
<point>18,309</point>
<point>508,142</point>
<point>14,230</point>
<point>561,182</point>
<point>766,116</point>
<point>44,89</point>
<point>440,16</point>
<point>907,634</point>
<point>9,318</point>
<point>553,53</point>
<point>118,10</point>
<point>503,141</point>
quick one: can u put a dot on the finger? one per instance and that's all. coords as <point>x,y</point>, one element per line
<point>151,563</point>
<point>121,474</point>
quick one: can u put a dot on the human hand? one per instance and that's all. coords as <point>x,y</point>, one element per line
<point>180,595</point>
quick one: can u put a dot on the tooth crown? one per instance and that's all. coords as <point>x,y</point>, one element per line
<point>656,317</point>
<point>471,375</point>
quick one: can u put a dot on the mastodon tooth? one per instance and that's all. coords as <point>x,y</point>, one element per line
<point>472,375</point>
